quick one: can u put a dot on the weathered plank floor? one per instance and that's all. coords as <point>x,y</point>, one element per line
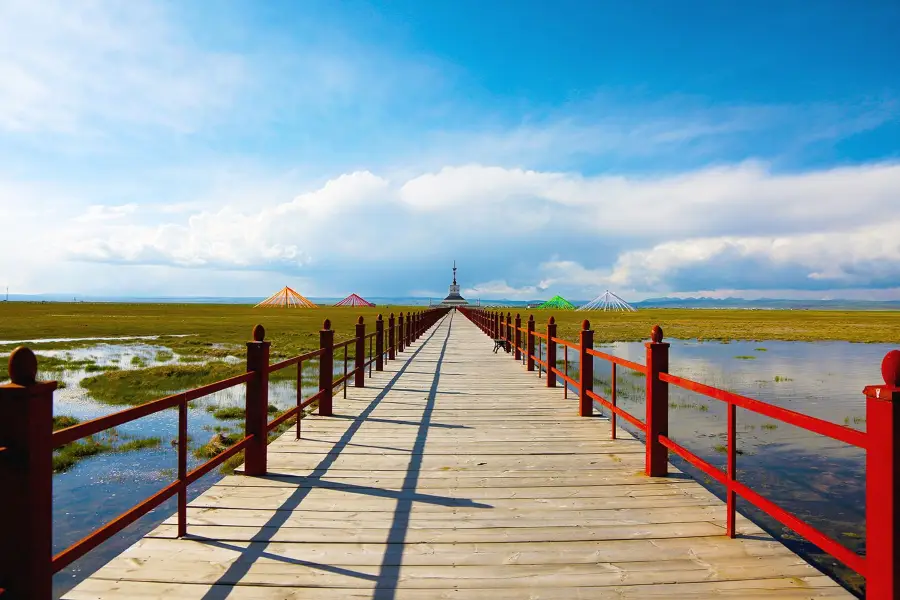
<point>456,474</point>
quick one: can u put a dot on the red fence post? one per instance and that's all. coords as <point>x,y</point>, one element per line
<point>359,376</point>
<point>391,337</point>
<point>400,337</point>
<point>379,343</point>
<point>257,403</point>
<point>508,334</point>
<point>551,352</point>
<point>26,473</point>
<point>882,479</point>
<point>586,370</point>
<point>326,369</point>
<point>529,344</point>
<point>518,337</point>
<point>657,461</point>
<point>409,322</point>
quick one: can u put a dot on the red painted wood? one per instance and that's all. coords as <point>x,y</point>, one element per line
<point>518,337</point>
<point>551,352</point>
<point>529,344</point>
<point>401,336</point>
<point>26,476</point>
<point>657,420</point>
<point>182,469</point>
<point>257,404</point>
<point>586,370</point>
<point>360,367</point>
<point>612,398</point>
<point>392,332</point>
<point>326,369</point>
<point>732,471</point>
<point>882,494</point>
<point>379,344</point>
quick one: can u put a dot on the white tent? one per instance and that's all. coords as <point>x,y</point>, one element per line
<point>608,301</point>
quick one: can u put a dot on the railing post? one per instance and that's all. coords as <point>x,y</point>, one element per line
<point>326,369</point>
<point>359,376</point>
<point>518,337</point>
<point>529,344</point>
<point>586,369</point>
<point>657,458</point>
<point>26,473</point>
<point>882,479</point>
<point>409,322</point>
<point>508,332</point>
<point>257,403</point>
<point>400,337</point>
<point>551,352</point>
<point>379,343</point>
<point>391,337</point>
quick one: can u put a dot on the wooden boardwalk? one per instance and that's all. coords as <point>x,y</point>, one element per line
<point>456,474</point>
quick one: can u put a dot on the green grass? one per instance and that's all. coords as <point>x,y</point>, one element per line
<point>226,413</point>
<point>769,426</point>
<point>724,325</point>
<point>143,385</point>
<point>63,421</point>
<point>780,378</point>
<point>139,444</point>
<point>761,349</point>
<point>95,368</point>
<point>745,357</point>
<point>137,361</point>
<point>164,356</point>
<point>68,456</point>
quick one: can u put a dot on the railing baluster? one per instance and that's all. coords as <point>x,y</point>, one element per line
<point>257,403</point>
<point>299,396</point>
<point>565,370</point>
<point>732,471</point>
<point>345,370</point>
<point>26,504</point>
<point>585,370</point>
<point>551,352</point>
<point>657,419</point>
<point>359,368</point>
<point>326,369</point>
<point>613,416</point>
<point>182,468</point>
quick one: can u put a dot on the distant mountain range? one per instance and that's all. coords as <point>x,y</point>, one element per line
<point>665,302</point>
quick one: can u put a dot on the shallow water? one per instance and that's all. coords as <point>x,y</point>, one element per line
<point>818,479</point>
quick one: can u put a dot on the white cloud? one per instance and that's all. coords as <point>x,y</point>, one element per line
<point>737,224</point>
<point>99,212</point>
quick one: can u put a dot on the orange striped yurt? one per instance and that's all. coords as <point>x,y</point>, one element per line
<point>286,298</point>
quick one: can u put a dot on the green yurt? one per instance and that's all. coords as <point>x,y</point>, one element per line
<point>558,303</point>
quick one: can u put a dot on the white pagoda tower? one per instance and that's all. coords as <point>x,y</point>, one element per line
<point>453,298</point>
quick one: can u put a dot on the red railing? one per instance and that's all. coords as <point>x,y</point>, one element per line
<point>881,564</point>
<point>27,441</point>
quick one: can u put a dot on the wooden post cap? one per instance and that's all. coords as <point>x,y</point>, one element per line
<point>259,333</point>
<point>585,324</point>
<point>656,334</point>
<point>326,324</point>
<point>392,315</point>
<point>551,321</point>
<point>22,366</point>
<point>379,317</point>
<point>531,317</point>
<point>359,321</point>
<point>890,368</point>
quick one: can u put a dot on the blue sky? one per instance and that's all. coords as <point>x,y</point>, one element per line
<point>652,148</point>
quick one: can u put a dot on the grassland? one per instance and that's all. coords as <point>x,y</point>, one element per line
<point>721,325</point>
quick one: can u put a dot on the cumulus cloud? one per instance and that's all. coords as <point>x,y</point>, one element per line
<point>738,226</point>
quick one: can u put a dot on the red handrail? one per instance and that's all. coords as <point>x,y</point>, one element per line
<point>882,561</point>
<point>26,569</point>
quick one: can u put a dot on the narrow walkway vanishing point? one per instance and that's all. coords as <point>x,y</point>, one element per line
<point>456,475</point>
